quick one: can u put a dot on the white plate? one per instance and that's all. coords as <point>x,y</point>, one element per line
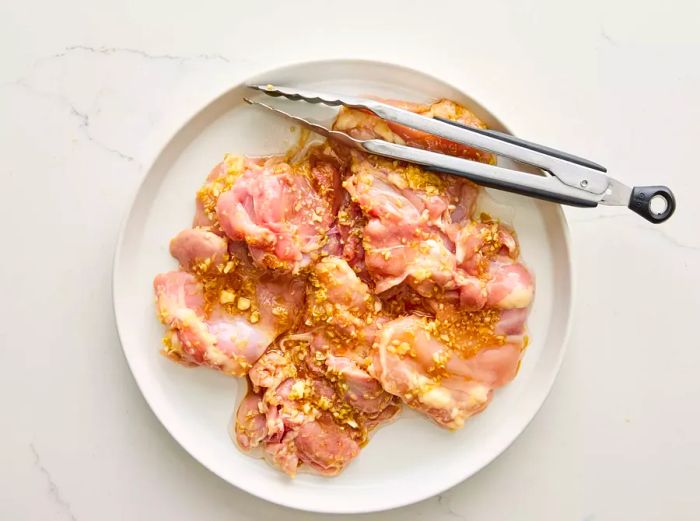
<point>405,462</point>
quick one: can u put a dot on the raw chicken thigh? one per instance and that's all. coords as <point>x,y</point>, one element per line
<point>311,401</point>
<point>215,316</point>
<point>283,213</point>
<point>422,362</point>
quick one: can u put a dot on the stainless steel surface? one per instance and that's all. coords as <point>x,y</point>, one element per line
<point>575,175</point>
<point>313,126</point>
<point>617,194</point>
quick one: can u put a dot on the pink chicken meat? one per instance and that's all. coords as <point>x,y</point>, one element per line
<point>343,286</point>
<point>282,214</point>
<point>410,237</point>
<point>214,337</point>
<point>414,363</point>
<point>311,401</point>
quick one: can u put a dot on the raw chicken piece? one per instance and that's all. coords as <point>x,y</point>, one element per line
<point>337,300</point>
<point>388,414</point>
<point>350,226</point>
<point>285,403</point>
<point>279,301</point>
<point>322,445</point>
<point>512,322</point>
<point>202,217</point>
<point>220,179</point>
<point>343,313</point>
<point>197,244</point>
<point>228,343</point>
<point>506,284</point>
<point>325,446</point>
<point>316,396</point>
<point>402,239</point>
<point>283,454</point>
<point>410,237</point>
<point>231,343</point>
<point>421,368</point>
<point>406,238</point>
<point>478,242</point>
<point>406,193</point>
<point>363,125</point>
<point>360,390</point>
<point>271,369</point>
<point>463,195</point>
<point>250,427</point>
<point>279,213</point>
<point>178,293</point>
<point>326,171</point>
<point>290,423</point>
<point>471,293</point>
<point>510,284</point>
<point>341,317</point>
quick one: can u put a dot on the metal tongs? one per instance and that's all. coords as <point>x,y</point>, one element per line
<point>567,179</point>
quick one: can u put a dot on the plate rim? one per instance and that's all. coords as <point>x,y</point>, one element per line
<point>150,162</point>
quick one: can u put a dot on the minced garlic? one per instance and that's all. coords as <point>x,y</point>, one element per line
<point>226,297</point>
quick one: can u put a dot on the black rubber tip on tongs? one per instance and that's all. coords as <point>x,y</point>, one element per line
<point>644,198</point>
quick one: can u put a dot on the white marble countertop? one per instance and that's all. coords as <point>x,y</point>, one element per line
<point>90,90</point>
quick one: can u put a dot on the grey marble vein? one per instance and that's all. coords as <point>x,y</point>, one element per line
<point>53,488</point>
<point>85,125</point>
<point>653,229</point>
<point>444,501</point>
<point>138,52</point>
<point>611,41</point>
<point>83,118</point>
